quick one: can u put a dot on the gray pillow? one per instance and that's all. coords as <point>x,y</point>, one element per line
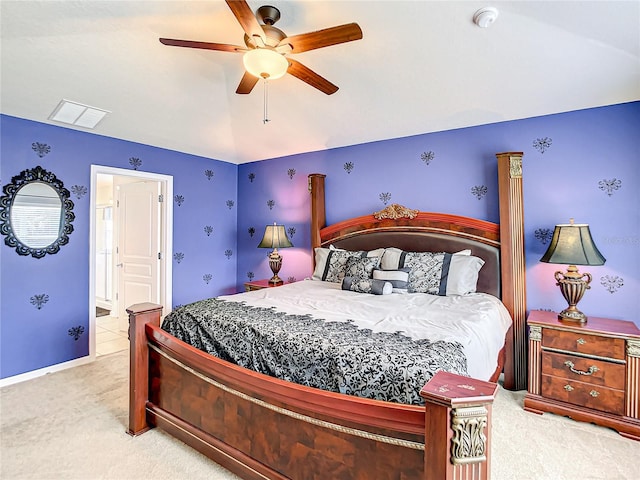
<point>367,285</point>
<point>399,278</point>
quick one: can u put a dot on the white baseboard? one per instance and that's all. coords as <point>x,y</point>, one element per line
<point>23,377</point>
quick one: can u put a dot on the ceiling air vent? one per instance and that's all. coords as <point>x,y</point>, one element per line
<point>77,114</point>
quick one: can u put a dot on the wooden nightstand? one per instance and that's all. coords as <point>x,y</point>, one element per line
<point>259,285</point>
<point>588,372</point>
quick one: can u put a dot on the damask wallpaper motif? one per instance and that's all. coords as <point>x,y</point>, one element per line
<point>76,332</point>
<point>542,144</point>
<point>427,157</point>
<point>610,186</point>
<point>41,149</point>
<point>385,197</point>
<point>39,300</point>
<point>79,191</point>
<point>135,162</point>
<point>479,191</point>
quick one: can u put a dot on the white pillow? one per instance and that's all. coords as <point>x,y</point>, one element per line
<point>462,277</point>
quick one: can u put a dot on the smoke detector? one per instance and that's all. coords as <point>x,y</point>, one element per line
<point>485,16</point>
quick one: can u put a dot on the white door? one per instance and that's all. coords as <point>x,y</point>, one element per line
<point>138,244</point>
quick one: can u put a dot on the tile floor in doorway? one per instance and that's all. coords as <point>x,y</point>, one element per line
<point>109,338</point>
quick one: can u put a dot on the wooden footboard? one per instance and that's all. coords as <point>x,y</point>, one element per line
<point>260,427</point>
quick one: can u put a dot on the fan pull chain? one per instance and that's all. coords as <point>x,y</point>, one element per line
<point>265,116</point>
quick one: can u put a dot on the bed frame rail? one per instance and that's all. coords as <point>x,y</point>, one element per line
<point>263,428</point>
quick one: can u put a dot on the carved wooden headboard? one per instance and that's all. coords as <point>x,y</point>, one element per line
<point>416,231</point>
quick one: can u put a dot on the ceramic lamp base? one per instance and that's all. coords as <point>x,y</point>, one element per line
<point>572,284</point>
<point>275,263</point>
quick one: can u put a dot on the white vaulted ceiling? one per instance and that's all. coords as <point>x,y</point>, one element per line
<point>422,66</point>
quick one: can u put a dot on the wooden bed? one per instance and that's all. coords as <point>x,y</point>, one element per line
<point>261,427</point>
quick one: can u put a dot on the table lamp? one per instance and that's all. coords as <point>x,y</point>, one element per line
<point>572,245</point>
<point>275,237</point>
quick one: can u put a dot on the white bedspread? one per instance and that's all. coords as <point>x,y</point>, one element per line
<point>478,321</point>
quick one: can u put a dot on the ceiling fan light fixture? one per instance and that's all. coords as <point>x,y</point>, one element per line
<point>265,63</point>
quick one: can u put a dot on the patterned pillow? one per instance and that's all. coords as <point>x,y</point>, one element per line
<point>399,279</point>
<point>367,285</point>
<point>425,271</point>
<point>393,258</point>
<point>335,265</point>
<point>361,268</point>
<point>436,273</point>
<point>326,256</point>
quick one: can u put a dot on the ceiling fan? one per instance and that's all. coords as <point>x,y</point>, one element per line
<point>267,47</point>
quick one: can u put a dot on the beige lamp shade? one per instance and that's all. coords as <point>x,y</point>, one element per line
<point>275,236</point>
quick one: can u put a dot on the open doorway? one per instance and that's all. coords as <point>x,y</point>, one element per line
<point>130,250</point>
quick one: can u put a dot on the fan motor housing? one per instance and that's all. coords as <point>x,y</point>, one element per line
<point>273,36</point>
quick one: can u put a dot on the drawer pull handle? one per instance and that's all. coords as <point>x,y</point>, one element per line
<point>581,341</point>
<point>594,393</point>
<point>592,369</point>
<point>568,388</point>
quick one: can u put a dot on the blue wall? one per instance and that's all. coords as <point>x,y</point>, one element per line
<point>32,338</point>
<point>582,164</point>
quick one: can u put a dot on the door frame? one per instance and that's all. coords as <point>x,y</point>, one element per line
<point>166,240</point>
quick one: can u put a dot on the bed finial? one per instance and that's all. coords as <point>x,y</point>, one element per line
<point>395,211</point>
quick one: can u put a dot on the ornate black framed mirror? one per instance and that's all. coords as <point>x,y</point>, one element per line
<point>36,213</point>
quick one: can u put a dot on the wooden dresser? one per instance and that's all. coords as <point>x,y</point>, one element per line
<point>588,372</point>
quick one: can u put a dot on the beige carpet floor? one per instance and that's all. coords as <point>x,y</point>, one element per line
<point>71,425</point>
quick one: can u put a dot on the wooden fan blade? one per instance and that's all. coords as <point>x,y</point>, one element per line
<point>247,83</point>
<point>324,38</point>
<point>246,18</point>
<point>223,47</point>
<point>307,75</point>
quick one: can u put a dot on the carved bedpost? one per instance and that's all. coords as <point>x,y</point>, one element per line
<point>513,265</point>
<point>458,427</point>
<point>318,213</point>
<point>140,315</point>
